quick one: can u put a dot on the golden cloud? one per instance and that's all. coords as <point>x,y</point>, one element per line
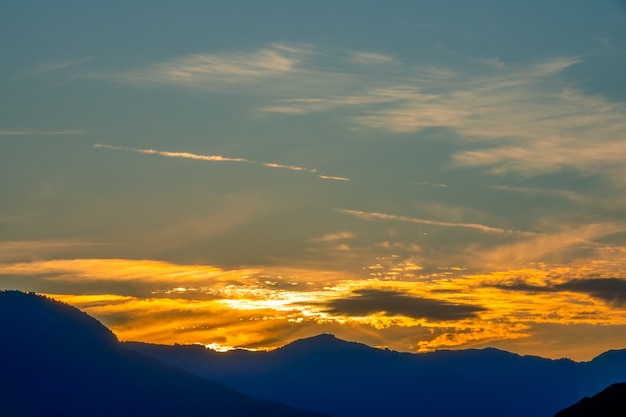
<point>145,271</point>
<point>265,308</point>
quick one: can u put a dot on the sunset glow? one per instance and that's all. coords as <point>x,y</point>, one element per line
<point>411,175</point>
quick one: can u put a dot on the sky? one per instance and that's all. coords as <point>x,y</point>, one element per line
<point>414,175</point>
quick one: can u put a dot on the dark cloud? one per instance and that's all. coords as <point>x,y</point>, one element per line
<point>524,287</point>
<point>394,303</point>
<point>611,290</point>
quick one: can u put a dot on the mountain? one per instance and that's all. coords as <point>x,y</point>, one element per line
<point>57,361</point>
<point>611,402</point>
<point>347,379</point>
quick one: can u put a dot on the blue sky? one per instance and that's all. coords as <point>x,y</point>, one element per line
<point>255,165</point>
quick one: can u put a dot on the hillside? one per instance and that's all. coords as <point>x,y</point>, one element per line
<point>58,361</point>
<point>610,402</point>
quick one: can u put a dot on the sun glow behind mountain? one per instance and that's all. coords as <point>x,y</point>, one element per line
<point>258,309</point>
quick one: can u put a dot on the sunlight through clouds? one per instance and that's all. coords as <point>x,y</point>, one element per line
<point>459,311</point>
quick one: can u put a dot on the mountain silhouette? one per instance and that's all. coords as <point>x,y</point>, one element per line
<point>57,361</point>
<point>610,402</point>
<point>347,379</point>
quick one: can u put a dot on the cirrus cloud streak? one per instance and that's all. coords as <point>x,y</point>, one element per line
<point>219,158</point>
<point>371,216</point>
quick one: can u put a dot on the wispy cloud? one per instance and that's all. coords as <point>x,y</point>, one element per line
<point>224,70</point>
<point>430,184</point>
<point>568,245</point>
<point>277,71</point>
<point>329,177</point>
<point>333,237</point>
<point>519,118</point>
<point>565,194</point>
<point>539,122</point>
<point>303,169</point>
<point>548,156</point>
<point>493,105</point>
<point>184,155</point>
<point>13,250</point>
<point>218,158</point>
<point>290,167</point>
<point>123,270</point>
<point>25,132</point>
<point>522,118</point>
<point>391,217</point>
<point>371,97</point>
<point>228,66</point>
<point>55,65</point>
<point>371,58</point>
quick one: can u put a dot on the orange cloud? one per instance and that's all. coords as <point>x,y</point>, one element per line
<point>123,270</point>
<point>265,308</point>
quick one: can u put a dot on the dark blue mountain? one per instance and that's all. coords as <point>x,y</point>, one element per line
<point>349,379</point>
<point>610,402</point>
<point>58,361</point>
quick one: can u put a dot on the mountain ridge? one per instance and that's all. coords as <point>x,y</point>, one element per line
<point>484,382</point>
<point>323,373</point>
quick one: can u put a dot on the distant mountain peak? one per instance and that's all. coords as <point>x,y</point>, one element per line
<point>323,342</point>
<point>322,337</point>
<point>610,355</point>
